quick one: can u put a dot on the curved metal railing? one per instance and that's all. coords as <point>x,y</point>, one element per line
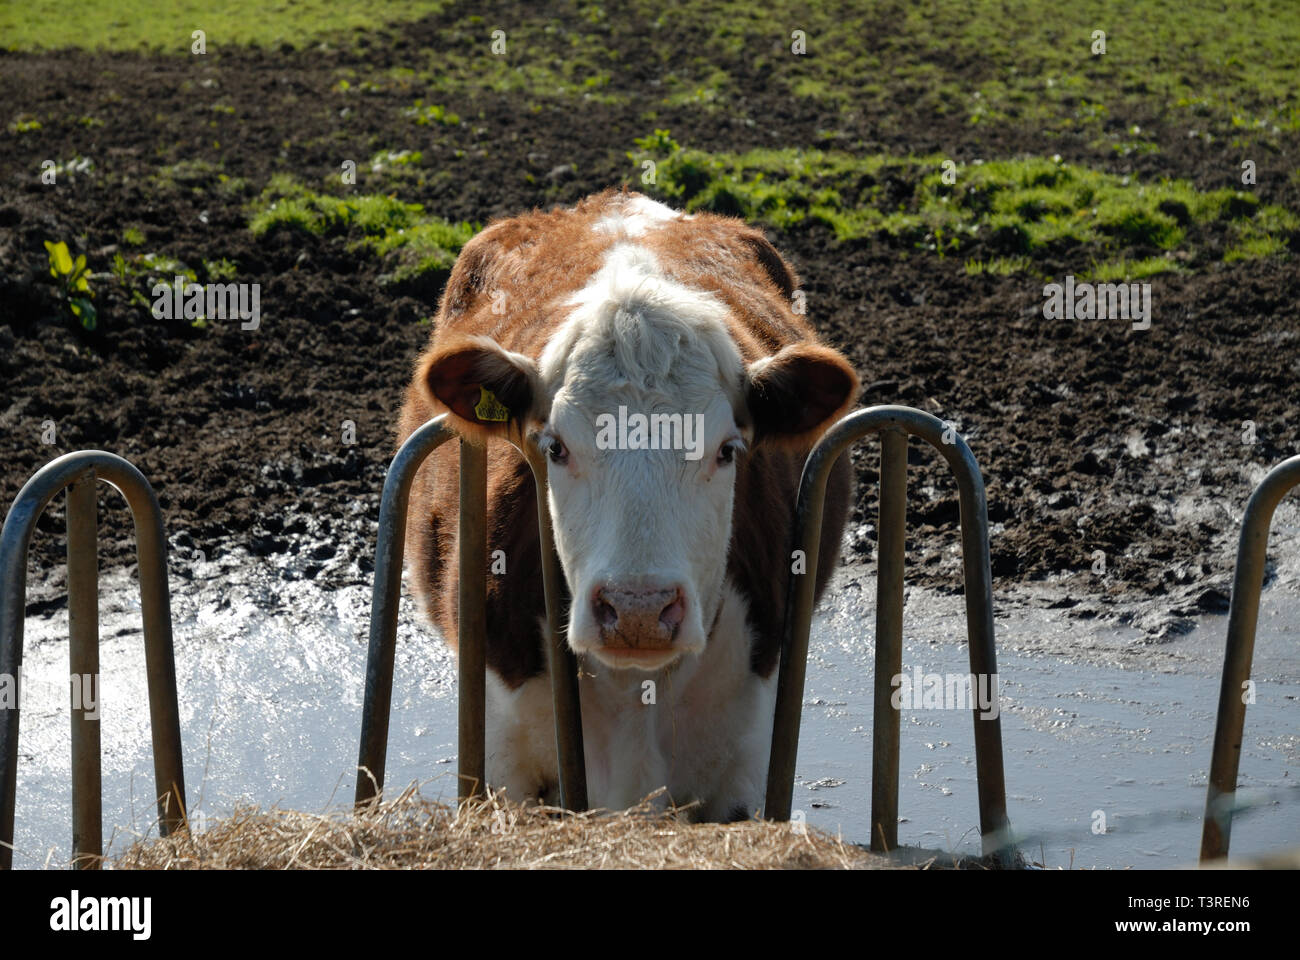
<point>1243,617</point>
<point>894,424</point>
<point>472,619</point>
<point>78,472</point>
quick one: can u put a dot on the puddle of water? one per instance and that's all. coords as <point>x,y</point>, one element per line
<point>270,677</point>
<point>270,690</point>
<point>1090,722</point>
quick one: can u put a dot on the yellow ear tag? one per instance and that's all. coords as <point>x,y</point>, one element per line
<point>490,408</point>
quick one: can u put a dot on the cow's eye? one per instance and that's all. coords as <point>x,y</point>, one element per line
<point>727,452</point>
<point>557,451</point>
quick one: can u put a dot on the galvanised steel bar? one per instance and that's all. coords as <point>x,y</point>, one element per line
<point>387,590</point>
<point>471,618</point>
<point>155,605</point>
<point>383,620</point>
<point>979,605</point>
<point>560,659</point>
<point>890,542</point>
<point>83,657</point>
<point>1243,617</point>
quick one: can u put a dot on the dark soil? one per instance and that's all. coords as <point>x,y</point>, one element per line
<point>1092,436</point>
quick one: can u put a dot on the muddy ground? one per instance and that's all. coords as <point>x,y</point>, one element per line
<point>1092,436</point>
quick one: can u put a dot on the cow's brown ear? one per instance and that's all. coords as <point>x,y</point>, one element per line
<point>794,395</point>
<point>485,386</point>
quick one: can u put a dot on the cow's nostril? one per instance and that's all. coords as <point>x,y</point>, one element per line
<point>606,615</point>
<point>673,614</point>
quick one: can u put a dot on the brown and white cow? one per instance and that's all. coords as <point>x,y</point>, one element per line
<point>675,540</point>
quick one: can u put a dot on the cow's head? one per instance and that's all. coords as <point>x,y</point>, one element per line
<point>646,411</point>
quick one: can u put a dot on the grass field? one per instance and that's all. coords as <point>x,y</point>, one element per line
<point>1004,66</point>
<point>1037,58</point>
<point>168,26</point>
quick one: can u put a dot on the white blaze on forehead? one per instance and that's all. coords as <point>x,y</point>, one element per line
<point>633,328</point>
<point>634,216</point>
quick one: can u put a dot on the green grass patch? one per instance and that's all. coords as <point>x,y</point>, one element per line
<point>1124,269</point>
<point>199,176</point>
<point>413,243</point>
<point>1016,210</point>
<point>998,266</point>
<point>1271,232</point>
<point>1254,247</point>
<point>390,161</point>
<point>167,26</point>
<point>425,114</point>
<point>159,266</point>
<point>222,269</point>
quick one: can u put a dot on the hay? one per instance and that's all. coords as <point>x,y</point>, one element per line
<point>411,832</point>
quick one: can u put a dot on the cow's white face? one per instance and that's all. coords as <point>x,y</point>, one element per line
<point>644,444</point>
<point>642,533</point>
<point>645,410</point>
